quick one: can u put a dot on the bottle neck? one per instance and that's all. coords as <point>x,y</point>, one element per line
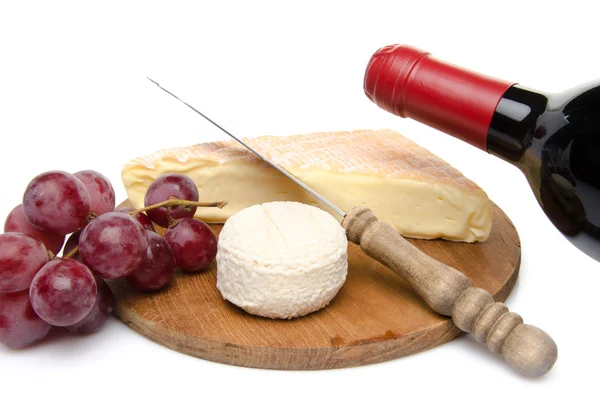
<point>514,124</point>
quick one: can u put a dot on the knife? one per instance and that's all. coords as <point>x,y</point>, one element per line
<point>527,349</point>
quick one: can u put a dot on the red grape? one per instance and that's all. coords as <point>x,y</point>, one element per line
<point>63,292</point>
<point>20,259</point>
<point>141,218</point>
<point>193,243</point>
<point>113,245</point>
<point>157,268</point>
<point>20,326</point>
<point>166,187</point>
<point>56,202</point>
<point>16,222</point>
<point>103,307</point>
<point>102,194</point>
<point>73,242</point>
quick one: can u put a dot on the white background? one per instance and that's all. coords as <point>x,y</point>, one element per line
<point>74,95</point>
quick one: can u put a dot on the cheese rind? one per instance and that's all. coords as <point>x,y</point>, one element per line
<point>417,193</point>
<point>281,259</point>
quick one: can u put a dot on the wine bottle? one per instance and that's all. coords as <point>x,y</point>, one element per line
<point>553,138</point>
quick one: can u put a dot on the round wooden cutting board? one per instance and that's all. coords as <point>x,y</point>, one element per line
<point>375,316</point>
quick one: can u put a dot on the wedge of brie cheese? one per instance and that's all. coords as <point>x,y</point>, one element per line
<point>403,184</point>
<point>281,259</point>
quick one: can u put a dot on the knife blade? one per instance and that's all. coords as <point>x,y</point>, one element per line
<point>260,156</point>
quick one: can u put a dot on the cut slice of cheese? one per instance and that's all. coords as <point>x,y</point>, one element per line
<point>402,183</point>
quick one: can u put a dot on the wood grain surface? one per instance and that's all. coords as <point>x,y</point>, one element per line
<point>375,316</point>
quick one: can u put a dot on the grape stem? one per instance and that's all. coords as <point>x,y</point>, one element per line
<point>91,216</point>
<point>185,203</point>
<point>167,203</point>
<point>72,253</point>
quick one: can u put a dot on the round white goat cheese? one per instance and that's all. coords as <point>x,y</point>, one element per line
<point>281,259</point>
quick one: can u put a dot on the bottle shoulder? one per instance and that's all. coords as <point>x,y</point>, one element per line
<point>561,161</point>
<point>584,97</point>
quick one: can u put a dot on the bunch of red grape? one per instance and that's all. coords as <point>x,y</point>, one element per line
<point>39,290</point>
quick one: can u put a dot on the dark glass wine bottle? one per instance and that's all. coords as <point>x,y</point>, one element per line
<point>554,139</point>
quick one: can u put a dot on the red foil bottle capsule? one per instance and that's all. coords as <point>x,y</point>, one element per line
<point>409,82</point>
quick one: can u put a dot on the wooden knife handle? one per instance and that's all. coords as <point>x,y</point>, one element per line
<point>527,349</point>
